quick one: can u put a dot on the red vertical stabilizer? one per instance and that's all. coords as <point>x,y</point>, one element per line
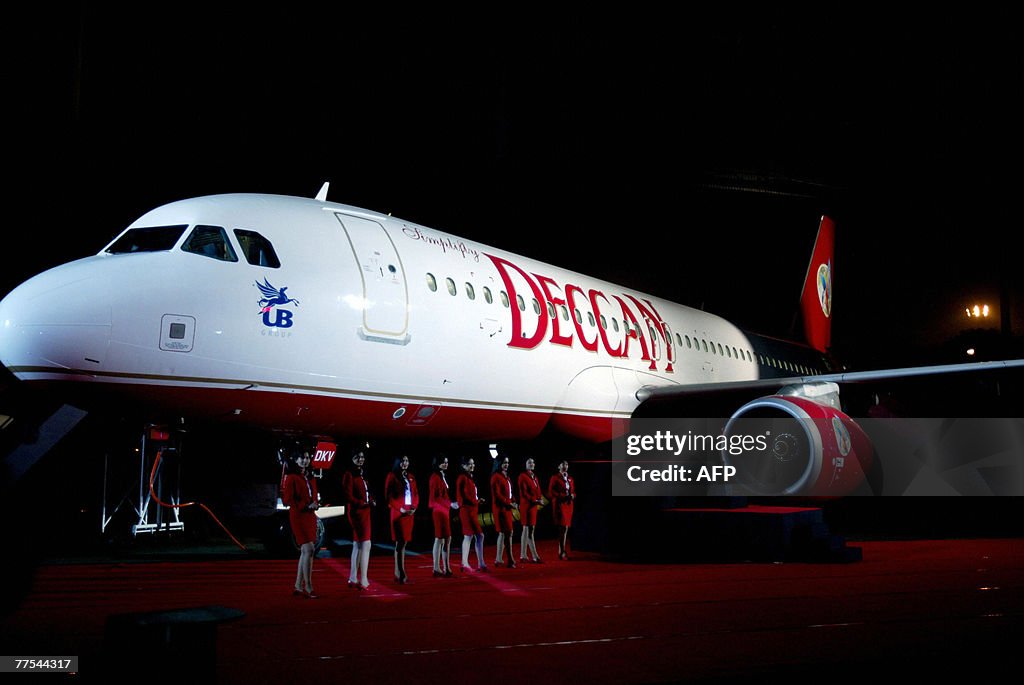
<point>816,297</point>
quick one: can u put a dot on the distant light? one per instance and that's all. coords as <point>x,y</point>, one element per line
<point>978,311</point>
<point>970,352</point>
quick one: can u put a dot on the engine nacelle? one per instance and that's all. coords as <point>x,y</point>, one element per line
<point>814,449</point>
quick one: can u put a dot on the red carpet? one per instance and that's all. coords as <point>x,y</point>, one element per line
<point>928,606</point>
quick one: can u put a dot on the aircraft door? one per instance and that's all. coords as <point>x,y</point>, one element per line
<point>385,292</point>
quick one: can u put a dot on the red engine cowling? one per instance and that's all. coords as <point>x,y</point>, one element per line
<point>812,449</point>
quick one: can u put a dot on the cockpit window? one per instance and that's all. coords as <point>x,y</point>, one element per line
<point>210,241</point>
<point>150,239</point>
<point>257,250</point>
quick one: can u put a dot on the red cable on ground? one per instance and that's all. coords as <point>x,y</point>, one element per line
<point>152,492</point>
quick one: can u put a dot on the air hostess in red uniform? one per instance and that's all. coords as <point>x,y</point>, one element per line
<point>403,499</point>
<point>469,515</point>
<point>299,492</point>
<point>562,493</point>
<point>504,504</point>
<point>440,510</point>
<point>357,494</point>
<point>530,499</point>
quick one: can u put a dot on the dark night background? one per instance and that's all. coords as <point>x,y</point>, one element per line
<point>687,155</point>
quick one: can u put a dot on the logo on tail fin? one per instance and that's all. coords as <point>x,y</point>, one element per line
<point>824,281</point>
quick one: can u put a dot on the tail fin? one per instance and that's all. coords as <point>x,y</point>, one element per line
<point>816,297</point>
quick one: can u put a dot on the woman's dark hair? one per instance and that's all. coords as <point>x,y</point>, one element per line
<point>435,465</point>
<point>397,466</point>
<point>464,461</point>
<point>496,466</point>
<point>291,465</point>
<point>352,459</point>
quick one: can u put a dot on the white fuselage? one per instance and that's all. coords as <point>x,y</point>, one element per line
<point>390,328</point>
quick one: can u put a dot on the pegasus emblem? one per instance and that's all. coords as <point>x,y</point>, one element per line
<point>272,296</point>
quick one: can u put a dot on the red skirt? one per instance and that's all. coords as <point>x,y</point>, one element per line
<point>562,512</point>
<point>360,522</point>
<point>442,524</point>
<point>470,521</point>
<point>401,527</point>
<point>527,513</point>
<point>503,521</point>
<point>303,525</point>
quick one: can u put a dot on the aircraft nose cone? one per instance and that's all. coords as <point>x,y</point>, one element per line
<point>54,323</point>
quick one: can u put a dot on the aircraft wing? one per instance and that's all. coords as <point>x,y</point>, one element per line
<point>841,379</point>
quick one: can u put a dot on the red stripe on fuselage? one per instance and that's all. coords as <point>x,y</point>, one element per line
<point>324,414</point>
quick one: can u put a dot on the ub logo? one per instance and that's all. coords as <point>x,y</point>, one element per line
<point>274,297</point>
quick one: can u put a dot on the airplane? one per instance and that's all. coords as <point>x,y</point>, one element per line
<point>319,318</point>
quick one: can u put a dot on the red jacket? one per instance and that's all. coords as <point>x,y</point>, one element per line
<point>529,488</point>
<point>440,500</point>
<point>557,489</point>
<point>356,491</point>
<point>298,492</point>
<point>466,491</point>
<point>501,491</point>
<point>394,490</point>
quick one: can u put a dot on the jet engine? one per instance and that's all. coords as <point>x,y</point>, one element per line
<point>812,447</point>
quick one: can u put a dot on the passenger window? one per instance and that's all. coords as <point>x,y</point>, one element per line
<point>521,303</point>
<point>704,343</point>
<point>432,283</point>
<point>551,311</point>
<point>210,241</point>
<point>488,298</point>
<point>713,347</point>
<point>727,352</point>
<point>565,312</point>
<point>604,322</point>
<point>470,291</point>
<point>578,316</point>
<point>451,287</point>
<point>590,319</point>
<point>257,250</point>
<point>536,306</point>
<point>504,299</point>
<point>155,239</point>
<point>615,324</point>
